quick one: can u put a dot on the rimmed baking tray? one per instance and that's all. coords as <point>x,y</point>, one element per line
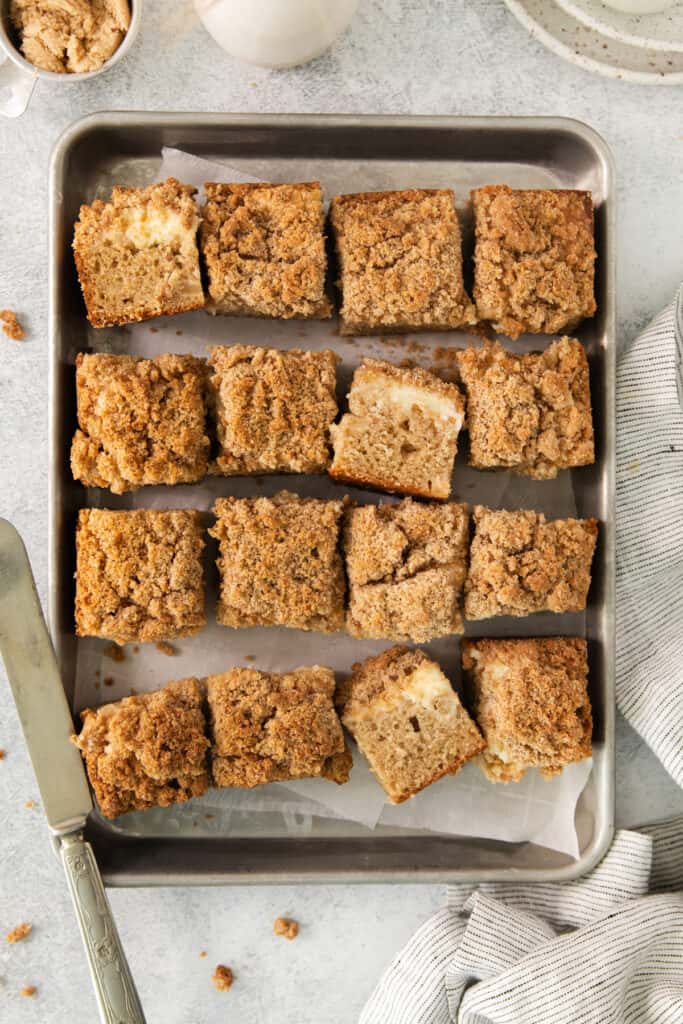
<point>350,154</point>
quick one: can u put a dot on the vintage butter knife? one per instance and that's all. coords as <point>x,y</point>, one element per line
<point>46,721</point>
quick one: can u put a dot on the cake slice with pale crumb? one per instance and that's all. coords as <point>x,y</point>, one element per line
<point>407,721</point>
<point>137,255</point>
<point>400,433</point>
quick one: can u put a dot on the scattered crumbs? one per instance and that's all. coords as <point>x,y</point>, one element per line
<point>250,657</point>
<point>202,954</point>
<point>3,755</point>
<point>136,649</point>
<point>97,686</point>
<point>114,652</point>
<point>97,674</point>
<point>634,467</point>
<point>154,330</point>
<point>27,991</point>
<point>209,817</point>
<point>11,325</point>
<point>195,824</point>
<point>178,333</point>
<point>29,804</point>
<point>19,933</point>
<point>415,346</point>
<point>108,680</point>
<point>222,978</point>
<point>286,927</point>
<point>167,649</point>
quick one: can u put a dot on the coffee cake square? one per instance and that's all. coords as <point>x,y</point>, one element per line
<point>148,750</point>
<point>264,250</point>
<point>273,409</point>
<point>405,566</point>
<point>528,413</point>
<point>279,562</point>
<point>271,727</point>
<point>141,421</point>
<point>534,259</point>
<point>400,262</point>
<point>407,721</point>
<point>520,563</point>
<point>139,574</point>
<point>400,433</point>
<point>137,255</point>
<point>530,700</point>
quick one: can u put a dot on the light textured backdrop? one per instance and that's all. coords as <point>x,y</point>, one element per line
<point>401,57</point>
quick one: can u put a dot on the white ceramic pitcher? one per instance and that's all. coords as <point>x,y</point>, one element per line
<point>275,33</point>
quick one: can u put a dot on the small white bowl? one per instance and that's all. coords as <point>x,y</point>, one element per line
<point>18,76</point>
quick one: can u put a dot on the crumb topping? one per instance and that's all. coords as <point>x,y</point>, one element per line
<point>273,409</point>
<point>534,258</point>
<point>400,261</point>
<point>529,413</point>
<point>279,562</point>
<point>139,574</point>
<point>74,36</point>
<point>270,727</point>
<point>520,563</point>
<point>406,567</point>
<point>142,421</point>
<point>265,250</point>
<point>530,700</point>
<point>148,750</point>
<point>222,978</point>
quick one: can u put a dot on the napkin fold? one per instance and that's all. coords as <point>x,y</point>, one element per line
<point>608,947</point>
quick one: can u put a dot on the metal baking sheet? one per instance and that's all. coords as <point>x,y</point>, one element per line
<point>349,154</point>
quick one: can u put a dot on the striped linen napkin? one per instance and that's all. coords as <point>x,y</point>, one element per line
<point>608,948</point>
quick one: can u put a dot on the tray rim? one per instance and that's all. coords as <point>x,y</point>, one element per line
<point>147,870</point>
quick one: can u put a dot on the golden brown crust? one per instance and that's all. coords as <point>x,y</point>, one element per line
<point>400,261</point>
<point>142,421</point>
<point>530,700</point>
<point>270,727</point>
<point>406,566</point>
<point>264,250</point>
<point>407,721</point>
<point>401,431</point>
<point>139,574</point>
<point>279,562</point>
<point>147,751</point>
<point>137,255</point>
<point>534,258</point>
<point>520,563</point>
<point>273,409</point>
<point>529,413</point>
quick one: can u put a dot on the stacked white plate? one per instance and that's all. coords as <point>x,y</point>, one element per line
<point>646,48</point>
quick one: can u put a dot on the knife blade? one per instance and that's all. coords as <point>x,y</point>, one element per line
<point>46,722</point>
<point>35,681</point>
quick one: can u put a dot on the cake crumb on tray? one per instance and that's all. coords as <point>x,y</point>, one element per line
<point>19,933</point>
<point>11,326</point>
<point>286,927</point>
<point>222,978</point>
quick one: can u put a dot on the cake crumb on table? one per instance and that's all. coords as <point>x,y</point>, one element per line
<point>114,652</point>
<point>11,326</point>
<point>202,954</point>
<point>168,649</point>
<point>108,680</point>
<point>222,978</point>
<point>29,804</point>
<point>286,927</point>
<point>3,755</point>
<point>28,990</point>
<point>20,932</point>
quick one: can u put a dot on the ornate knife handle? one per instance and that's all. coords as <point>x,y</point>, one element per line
<point>114,986</point>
